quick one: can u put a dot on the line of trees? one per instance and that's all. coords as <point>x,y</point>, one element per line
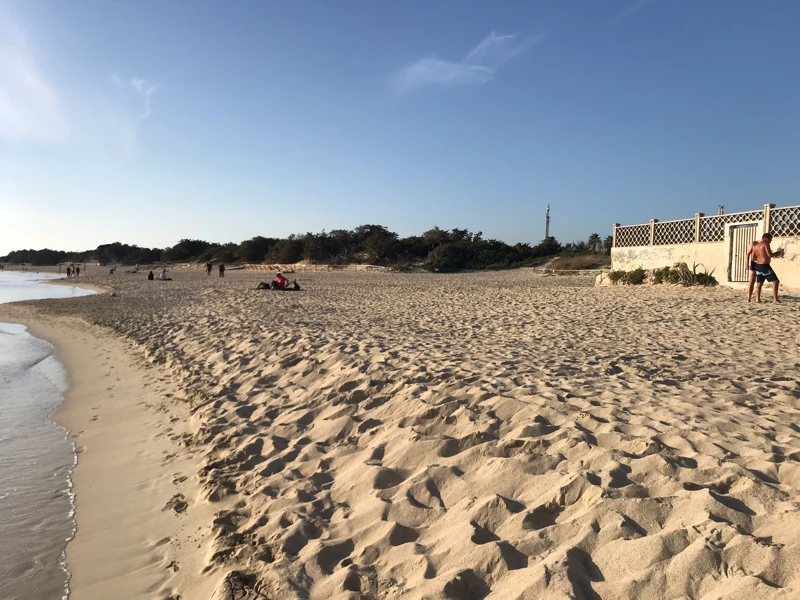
<point>445,250</point>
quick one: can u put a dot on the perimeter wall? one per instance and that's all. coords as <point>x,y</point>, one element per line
<point>708,242</point>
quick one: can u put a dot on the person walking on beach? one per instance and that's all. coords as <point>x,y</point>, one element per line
<point>208,268</point>
<point>759,257</point>
<point>221,270</point>
<point>77,271</point>
<point>69,272</point>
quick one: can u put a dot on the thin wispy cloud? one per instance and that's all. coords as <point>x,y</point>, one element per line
<point>628,12</point>
<point>146,91</point>
<point>30,107</point>
<point>107,118</point>
<point>480,65</point>
<point>124,113</point>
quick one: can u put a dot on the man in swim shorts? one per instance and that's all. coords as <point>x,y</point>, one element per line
<point>759,257</point>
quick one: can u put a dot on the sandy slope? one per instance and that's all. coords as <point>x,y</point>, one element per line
<point>492,435</point>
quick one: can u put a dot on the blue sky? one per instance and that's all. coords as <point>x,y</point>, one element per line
<point>150,121</point>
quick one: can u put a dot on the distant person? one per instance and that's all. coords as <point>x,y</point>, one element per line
<point>759,257</point>
<point>150,276</point>
<point>69,271</point>
<point>77,271</point>
<point>59,268</point>
<point>164,277</point>
<point>289,286</point>
<point>221,270</point>
<point>280,282</point>
<point>209,267</point>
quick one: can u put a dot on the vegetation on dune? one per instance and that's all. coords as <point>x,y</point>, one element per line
<point>436,249</point>
<point>634,277</point>
<point>580,261</point>
<point>680,274</point>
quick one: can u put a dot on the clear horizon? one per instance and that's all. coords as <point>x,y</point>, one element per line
<point>147,122</point>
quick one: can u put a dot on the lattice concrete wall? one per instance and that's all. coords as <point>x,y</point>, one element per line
<point>712,229</point>
<point>673,232</point>
<point>785,222</point>
<point>632,235</point>
<point>781,222</point>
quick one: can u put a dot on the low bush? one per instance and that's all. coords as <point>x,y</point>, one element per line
<point>635,277</point>
<point>681,274</point>
<point>617,277</point>
<point>690,277</point>
<point>580,262</point>
<point>665,275</point>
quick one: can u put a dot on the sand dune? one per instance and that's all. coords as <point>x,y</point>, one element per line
<point>479,436</point>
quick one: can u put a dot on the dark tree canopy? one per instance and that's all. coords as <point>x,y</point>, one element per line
<point>440,249</point>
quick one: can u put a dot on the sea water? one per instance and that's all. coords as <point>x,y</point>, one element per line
<point>36,454</point>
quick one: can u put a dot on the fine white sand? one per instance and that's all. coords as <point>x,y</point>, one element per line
<point>428,436</point>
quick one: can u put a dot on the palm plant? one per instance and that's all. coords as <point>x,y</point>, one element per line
<point>595,243</point>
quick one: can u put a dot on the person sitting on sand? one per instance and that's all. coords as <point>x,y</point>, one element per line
<point>280,282</point>
<point>759,256</point>
<point>163,276</point>
<point>150,276</point>
<point>289,286</point>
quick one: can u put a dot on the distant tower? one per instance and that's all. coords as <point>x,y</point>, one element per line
<point>547,223</point>
<point>721,210</point>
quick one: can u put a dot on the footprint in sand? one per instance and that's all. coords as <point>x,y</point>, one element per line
<point>177,503</point>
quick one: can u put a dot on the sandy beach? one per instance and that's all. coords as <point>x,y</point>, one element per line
<point>494,435</point>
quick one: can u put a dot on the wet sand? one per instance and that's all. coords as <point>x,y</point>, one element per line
<point>498,435</point>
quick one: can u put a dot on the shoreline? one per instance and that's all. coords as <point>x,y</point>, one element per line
<point>72,283</point>
<point>125,420</point>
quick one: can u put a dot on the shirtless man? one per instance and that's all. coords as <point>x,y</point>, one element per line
<point>759,255</point>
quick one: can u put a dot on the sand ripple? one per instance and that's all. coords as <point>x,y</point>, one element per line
<point>493,435</point>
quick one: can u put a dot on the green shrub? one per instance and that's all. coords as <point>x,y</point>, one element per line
<point>665,275</point>
<point>617,277</point>
<point>635,277</point>
<point>681,274</point>
<point>690,277</point>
